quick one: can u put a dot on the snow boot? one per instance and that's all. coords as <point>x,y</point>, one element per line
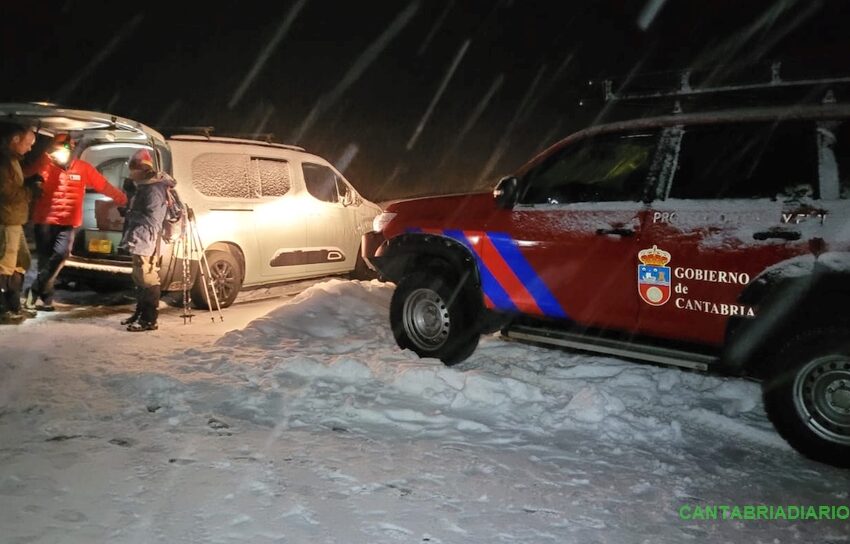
<point>14,285</point>
<point>6,316</point>
<point>29,299</point>
<point>149,302</point>
<point>141,326</point>
<point>30,302</point>
<point>46,303</point>
<point>132,319</point>
<point>138,311</point>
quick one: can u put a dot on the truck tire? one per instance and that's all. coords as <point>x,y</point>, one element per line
<point>226,276</point>
<point>435,315</point>
<point>808,398</point>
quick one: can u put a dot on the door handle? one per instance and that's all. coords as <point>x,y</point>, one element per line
<point>620,231</point>
<point>778,234</point>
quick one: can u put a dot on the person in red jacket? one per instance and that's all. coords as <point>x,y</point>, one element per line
<point>59,212</point>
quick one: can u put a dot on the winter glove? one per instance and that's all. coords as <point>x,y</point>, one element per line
<point>129,187</point>
<point>35,184</point>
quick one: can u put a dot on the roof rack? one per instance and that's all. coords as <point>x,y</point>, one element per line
<point>229,140</point>
<point>687,89</point>
<point>197,131</point>
<point>207,132</point>
<point>267,137</point>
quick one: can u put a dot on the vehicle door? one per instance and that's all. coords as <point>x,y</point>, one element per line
<point>333,230</point>
<point>280,220</point>
<point>740,198</point>
<point>577,222</point>
<point>237,212</point>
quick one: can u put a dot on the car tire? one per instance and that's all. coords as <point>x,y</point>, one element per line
<point>435,315</point>
<point>808,399</point>
<point>226,277</point>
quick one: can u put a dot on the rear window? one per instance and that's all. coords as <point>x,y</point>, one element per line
<point>273,176</point>
<point>114,170</point>
<point>223,175</point>
<point>747,160</point>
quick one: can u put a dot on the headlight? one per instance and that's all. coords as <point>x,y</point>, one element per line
<point>381,221</point>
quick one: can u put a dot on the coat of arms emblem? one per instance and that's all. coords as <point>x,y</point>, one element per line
<point>654,276</point>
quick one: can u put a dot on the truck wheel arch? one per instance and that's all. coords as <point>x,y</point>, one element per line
<point>411,251</point>
<point>790,297</point>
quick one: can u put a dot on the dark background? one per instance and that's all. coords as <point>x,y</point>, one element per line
<point>168,64</point>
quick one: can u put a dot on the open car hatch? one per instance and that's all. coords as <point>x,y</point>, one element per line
<point>50,119</point>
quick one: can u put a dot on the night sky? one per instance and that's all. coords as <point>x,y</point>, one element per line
<point>339,77</point>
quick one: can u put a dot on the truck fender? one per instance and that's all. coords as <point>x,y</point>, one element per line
<point>402,253</point>
<point>797,294</point>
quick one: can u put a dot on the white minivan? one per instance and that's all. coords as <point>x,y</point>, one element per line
<point>265,213</point>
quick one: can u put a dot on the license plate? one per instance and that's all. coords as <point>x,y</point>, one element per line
<point>100,246</point>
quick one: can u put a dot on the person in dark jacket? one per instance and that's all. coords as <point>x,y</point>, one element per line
<point>143,237</point>
<point>59,212</point>
<point>15,198</point>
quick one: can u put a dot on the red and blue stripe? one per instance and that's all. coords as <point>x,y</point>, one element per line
<point>508,280</point>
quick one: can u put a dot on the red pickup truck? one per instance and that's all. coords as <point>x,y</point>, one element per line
<point>714,241</point>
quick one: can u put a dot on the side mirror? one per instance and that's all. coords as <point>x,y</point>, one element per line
<point>348,199</point>
<point>506,192</point>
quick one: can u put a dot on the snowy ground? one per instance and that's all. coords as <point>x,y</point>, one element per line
<point>298,420</point>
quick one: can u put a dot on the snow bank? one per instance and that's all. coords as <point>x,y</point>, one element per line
<point>309,425</point>
<point>328,358</point>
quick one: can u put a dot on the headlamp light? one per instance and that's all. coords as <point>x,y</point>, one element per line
<point>61,155</point>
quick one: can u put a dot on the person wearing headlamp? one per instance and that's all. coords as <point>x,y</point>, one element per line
<point>59,212</point>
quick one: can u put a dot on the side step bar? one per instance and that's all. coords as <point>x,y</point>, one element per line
<point>654,354</point>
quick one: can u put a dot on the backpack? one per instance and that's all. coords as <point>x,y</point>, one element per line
<point>174,223</point>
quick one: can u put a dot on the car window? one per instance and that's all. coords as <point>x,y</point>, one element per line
<point>343,190</point>
<point>112,170</point>
<point>606,168</point>
<point>320,181</point>
<point>223,175</point>
<point>747,160</point>
<point>347,193</point>
<point>273,176</point>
